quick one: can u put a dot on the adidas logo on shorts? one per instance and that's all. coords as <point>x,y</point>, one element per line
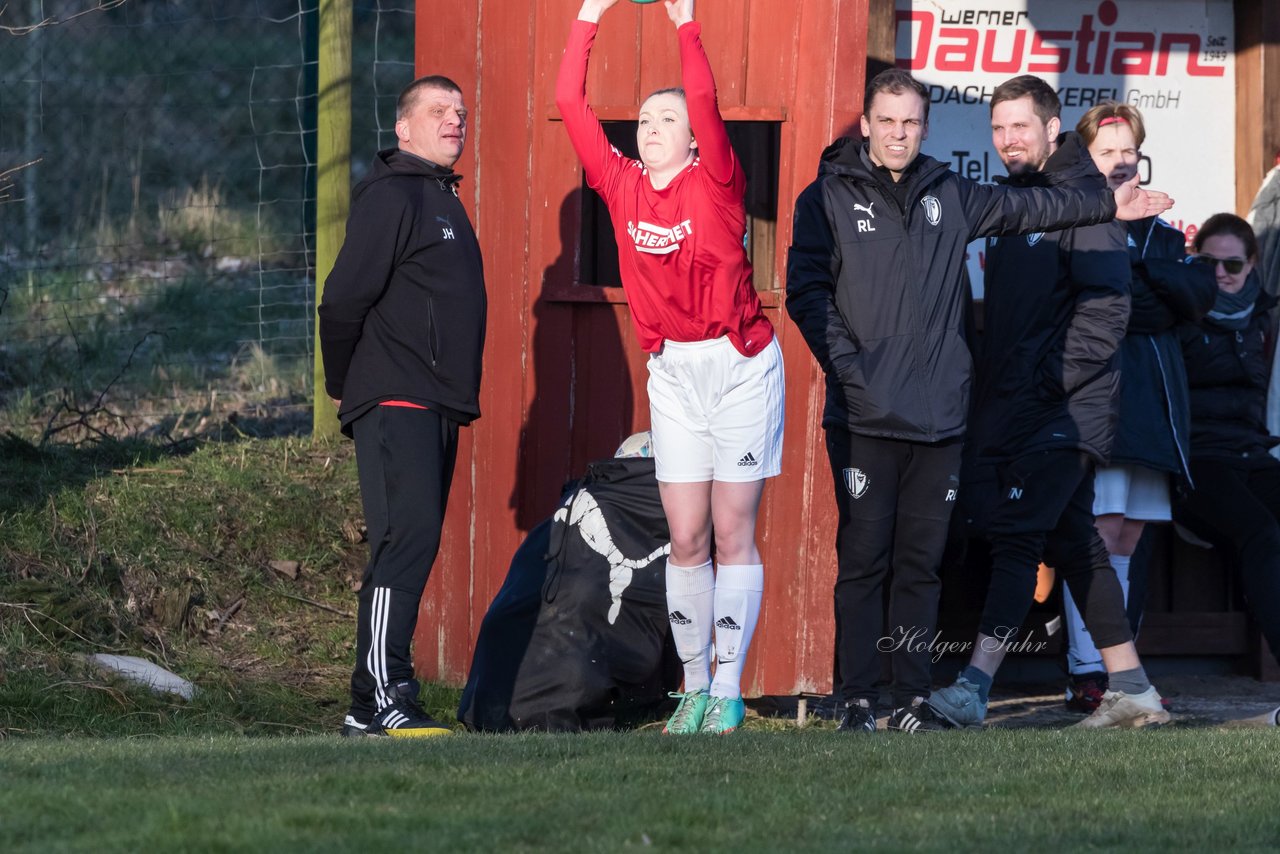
<point>728,623</point>
<point>678,619</point>
<point>748,460</point>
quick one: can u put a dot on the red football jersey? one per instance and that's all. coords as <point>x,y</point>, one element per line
<point>680,249</point>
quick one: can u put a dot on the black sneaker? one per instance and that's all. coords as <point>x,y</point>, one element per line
<point>918,717</point>
<point>1084,694</point>
<point>352,727</point>
<point>404,718</point>
<point>858,716</point>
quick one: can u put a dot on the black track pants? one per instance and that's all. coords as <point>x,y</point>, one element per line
<point>405,458</point>
<point>895,501</point>
<point>1240,507</point>
<point>1046,513</point>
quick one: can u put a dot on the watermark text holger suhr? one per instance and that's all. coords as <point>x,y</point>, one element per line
<point>915,639</point>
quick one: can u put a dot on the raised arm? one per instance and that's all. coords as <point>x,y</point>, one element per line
<point>700,94</point>
<point>580,122</point>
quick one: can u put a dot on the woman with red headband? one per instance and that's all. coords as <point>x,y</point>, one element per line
<point>1153,434</point>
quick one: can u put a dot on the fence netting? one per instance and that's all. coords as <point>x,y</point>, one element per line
<point>157,209</point>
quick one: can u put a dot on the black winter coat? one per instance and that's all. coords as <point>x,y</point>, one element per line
<point>403,312</point>
<point>878,288</point>
<point>1056,305</point>
<point>1228,371</point>
<point>1155,410</point>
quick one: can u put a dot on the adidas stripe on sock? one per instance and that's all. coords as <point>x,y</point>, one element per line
<point>738,593</point>
<point>690,610</point>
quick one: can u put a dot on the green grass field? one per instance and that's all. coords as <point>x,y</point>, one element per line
<point>165,553</point>
<point>752,791</point>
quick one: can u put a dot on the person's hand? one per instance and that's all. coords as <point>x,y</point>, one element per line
<point>592,10</point>
<point>337,404</point>
<point>679,11</point>
<point>1133,202</point>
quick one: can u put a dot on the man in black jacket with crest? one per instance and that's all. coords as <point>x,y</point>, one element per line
<point>876,284</point>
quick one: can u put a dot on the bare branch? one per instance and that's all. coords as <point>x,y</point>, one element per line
<point>4,176</point>
<point>6,182</point>
<point>53,20</point>
<point>81,416</point>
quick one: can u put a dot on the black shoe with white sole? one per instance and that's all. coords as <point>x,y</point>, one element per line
<point>858,716</point>
<point>353,728</point>
<point>918,717</point>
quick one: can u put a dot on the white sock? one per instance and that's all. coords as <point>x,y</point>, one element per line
<point>690,610</point>
<point>739,590</point>
<point>1082,654</point>
<point>1120,563</point>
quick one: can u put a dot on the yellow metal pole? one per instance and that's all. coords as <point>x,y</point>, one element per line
<point>333,178</point>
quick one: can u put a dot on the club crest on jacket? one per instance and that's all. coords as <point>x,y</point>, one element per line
<point>856,481</point>
<point>932,209</point>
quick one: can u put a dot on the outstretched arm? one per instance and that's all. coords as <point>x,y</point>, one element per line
<point>699,84</point>
<point>994,210</point>
<point>1134,203</point>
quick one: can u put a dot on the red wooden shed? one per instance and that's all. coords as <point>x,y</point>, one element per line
<point>564,377</point>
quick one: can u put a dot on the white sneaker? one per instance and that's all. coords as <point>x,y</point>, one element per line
<point>1127,711</point>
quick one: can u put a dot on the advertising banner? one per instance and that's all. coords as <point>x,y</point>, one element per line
<point>1173,59</point>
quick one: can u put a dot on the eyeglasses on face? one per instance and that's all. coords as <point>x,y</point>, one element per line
<point>1232,265</point>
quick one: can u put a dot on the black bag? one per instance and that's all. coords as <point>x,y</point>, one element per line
<point>577,637</point>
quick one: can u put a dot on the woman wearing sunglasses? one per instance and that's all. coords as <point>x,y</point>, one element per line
<point>1235,499</point>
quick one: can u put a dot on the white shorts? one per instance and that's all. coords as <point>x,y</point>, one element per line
<point>1135,492</point>
<point>716,414</point>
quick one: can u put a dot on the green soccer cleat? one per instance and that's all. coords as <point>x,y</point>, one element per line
<point>723,715</point>
<point>687,719</point>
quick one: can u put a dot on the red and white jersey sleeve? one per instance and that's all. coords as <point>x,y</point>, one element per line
<point>680,249</point>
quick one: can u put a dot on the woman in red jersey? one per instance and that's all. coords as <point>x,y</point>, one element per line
<point>715,370</point>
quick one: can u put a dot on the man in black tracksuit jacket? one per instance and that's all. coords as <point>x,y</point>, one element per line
<point>1056,308</point>
<point>402,326</point>
<point>876,284</point>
